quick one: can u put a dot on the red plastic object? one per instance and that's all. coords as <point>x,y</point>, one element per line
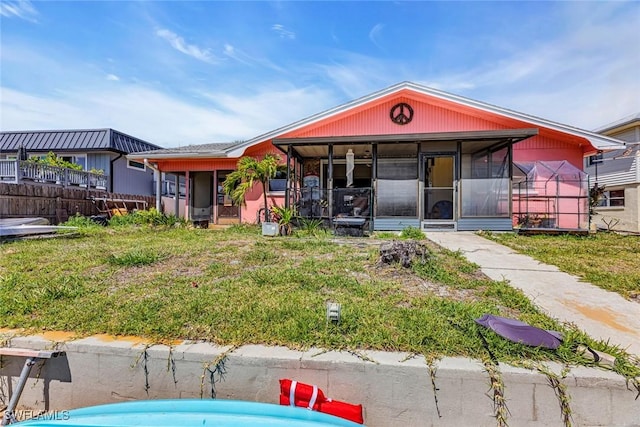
<point>311,397</point>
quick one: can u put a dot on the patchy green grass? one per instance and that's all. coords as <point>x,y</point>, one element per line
<point>238,287</point>
<point>608,260</point>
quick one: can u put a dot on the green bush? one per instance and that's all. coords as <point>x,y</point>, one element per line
<point>51,159</point>
<point>412,233</point>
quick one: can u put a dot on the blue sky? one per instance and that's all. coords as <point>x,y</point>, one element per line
<point>177,73</point>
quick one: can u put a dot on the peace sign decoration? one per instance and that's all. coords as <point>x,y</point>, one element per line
<point>401,113</point>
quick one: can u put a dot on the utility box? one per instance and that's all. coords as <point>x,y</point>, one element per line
<point>269,228</point>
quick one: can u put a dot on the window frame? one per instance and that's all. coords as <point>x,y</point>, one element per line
<point>279,178</point>
<point>143,169</point>
<point>606,200</point>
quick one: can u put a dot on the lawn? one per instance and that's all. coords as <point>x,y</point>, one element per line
<point>608,260</point>
<point>237,287</point>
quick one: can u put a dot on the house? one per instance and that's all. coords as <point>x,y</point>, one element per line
<point>94,149</point>
<point>407,155</point>
<point>619,172</point>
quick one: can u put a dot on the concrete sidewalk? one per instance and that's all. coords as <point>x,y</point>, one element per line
<point>602,314</point>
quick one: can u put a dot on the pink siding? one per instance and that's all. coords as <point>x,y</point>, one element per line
<point>435,115</point>
<point>375,120</point>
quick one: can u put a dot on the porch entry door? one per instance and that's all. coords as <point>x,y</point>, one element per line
<point>227,212</point>
<point>439,189</point>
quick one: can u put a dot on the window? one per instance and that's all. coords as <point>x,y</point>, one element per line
<point>8,157</point>
<point>612,198</point>
<point>132,164</point>
<point>279,183</point>
<point>397,187</point>
<point>76,159</point>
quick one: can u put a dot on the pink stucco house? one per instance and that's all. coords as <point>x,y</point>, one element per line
<point>407,155</point>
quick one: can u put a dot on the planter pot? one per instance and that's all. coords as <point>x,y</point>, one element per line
<point>270,229</point>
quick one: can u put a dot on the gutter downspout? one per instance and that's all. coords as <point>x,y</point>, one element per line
<point>158,176</point>
<point>111,162</point>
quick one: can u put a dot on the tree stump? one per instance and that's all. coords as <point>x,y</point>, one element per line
<point>403,252</point>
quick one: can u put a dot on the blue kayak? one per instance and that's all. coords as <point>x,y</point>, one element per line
<point>188,412</point>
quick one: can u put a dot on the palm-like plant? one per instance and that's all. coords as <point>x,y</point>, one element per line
<point>249,171</point>
<point>284,217</point>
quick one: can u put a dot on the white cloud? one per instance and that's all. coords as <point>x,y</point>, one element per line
<point>374,34</point>
<point>283,32</point>
<point>113,77</point>
<point>243,57</point>
<point>21,9</point>
<point>160,118</point>
<point>179,44</point>
<point>585,78</point>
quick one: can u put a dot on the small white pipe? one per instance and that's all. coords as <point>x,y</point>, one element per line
<point>158,177</point>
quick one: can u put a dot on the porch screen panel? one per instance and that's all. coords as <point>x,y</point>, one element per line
<point>484,189</point>
<point>397,187</point>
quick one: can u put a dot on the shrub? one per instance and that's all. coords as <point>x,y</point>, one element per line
<point>311,227</point>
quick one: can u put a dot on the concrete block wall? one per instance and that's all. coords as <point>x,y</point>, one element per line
<point>394,388</point>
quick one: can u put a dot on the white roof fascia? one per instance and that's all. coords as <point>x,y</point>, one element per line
<point>599,142</point>
<point>178,155</point>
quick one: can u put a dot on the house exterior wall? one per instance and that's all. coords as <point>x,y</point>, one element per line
<point>620,169</point>
<point>100,161</point>
<point>614,171</point>
<point>131,181</point>
<point>624,218</point>
<point>253,198</point>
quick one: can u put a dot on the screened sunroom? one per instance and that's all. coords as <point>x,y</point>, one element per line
<point>444,181</point>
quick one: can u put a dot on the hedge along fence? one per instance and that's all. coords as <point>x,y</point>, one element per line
<point>53,202</point>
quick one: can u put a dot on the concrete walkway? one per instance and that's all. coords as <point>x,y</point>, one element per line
<point>602,314</point>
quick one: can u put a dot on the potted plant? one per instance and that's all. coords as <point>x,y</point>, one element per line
<point>284,216</point>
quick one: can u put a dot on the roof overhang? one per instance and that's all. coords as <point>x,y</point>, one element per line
<point>472,141</point>
<point>150,155</point>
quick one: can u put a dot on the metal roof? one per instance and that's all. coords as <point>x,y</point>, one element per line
<point>73,140</point>
<point>191,151</point>
<point>625,121</point>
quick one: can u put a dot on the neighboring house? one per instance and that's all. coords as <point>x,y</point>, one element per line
<point>619,172</point>
<point>93,149</point>
<point>404,156</point>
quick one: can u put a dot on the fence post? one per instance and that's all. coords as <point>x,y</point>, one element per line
<point>18,172</point>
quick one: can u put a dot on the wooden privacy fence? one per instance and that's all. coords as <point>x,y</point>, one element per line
<point>53,202</point>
